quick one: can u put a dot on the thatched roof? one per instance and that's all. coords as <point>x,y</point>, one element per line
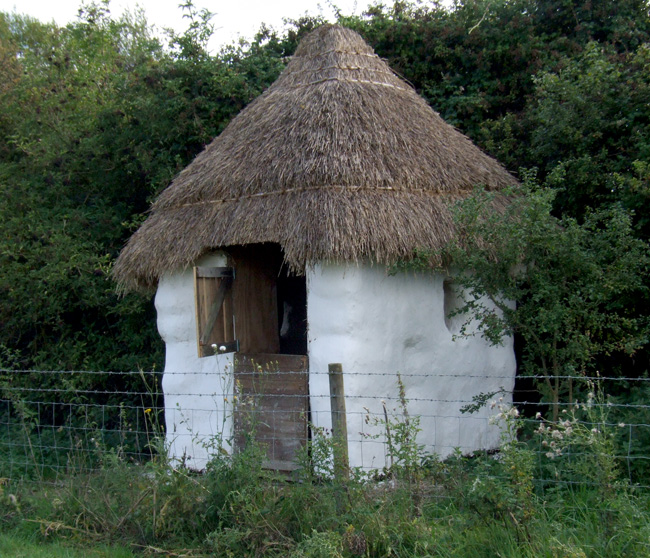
<point>339,160</point>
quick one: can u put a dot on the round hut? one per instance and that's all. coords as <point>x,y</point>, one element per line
<point>270,251</point>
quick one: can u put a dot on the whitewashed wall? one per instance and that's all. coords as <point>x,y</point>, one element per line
<point>376,325</point>
<point>197,414</point>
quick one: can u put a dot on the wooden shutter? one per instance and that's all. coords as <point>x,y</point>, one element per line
<point>214,310</point>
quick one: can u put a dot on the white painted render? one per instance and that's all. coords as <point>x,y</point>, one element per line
<point>198,391</point>
<point>375,325</point>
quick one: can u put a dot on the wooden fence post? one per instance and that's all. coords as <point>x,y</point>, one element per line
<point>339,422</point>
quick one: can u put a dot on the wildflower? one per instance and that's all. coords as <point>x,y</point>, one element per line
<point>147,411</point>
<point>621,425</point>
<point>594,430</point>
<point>550,455</point>
<point>538,415</point>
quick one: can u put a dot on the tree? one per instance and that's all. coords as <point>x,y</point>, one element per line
<point>581,289</point>
<point>66,192</point>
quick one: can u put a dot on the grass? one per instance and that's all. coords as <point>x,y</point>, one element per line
<point>238,509</point>
<point>16,545</point>
<point>463,507</point>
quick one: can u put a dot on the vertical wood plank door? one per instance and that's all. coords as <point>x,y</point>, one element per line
<point>272,406</point>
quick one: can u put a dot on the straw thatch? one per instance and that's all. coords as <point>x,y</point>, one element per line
<point>339,160</point>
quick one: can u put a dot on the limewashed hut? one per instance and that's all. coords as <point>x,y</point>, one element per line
<point>273,246</point>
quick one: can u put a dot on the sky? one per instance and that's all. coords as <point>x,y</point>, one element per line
<point>233,18</point>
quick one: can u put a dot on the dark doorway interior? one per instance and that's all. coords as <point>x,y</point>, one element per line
<point>292,313</point>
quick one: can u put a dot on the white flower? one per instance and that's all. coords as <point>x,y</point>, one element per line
<point>538,415</point>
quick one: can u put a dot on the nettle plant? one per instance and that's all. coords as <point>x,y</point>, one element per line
<point>503,486</point>
<point>399,430</point>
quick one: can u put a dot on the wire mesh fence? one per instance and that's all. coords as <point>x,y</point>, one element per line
<point>55,423</point>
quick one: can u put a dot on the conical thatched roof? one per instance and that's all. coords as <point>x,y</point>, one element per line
<point>338,160</point>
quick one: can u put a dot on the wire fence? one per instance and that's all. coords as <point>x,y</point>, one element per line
<point>55,423</point>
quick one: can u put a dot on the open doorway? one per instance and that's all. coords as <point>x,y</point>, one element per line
<point>270,303</point>
<point>292,313</point>
<point>253,305</point>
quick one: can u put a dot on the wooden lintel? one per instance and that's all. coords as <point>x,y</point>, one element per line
<point>215,272</point>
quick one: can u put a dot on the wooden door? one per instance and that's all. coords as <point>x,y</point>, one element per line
<point>272,406</point>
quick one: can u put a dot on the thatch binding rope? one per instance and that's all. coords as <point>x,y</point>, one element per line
<point>339,160</point>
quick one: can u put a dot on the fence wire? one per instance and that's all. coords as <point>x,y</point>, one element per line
<point>60,422</point>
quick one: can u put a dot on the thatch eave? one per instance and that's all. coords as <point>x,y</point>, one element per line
<point>318,226</point>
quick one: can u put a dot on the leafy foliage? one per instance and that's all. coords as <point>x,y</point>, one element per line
<point>96,119</point>
<point>580,289</point>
